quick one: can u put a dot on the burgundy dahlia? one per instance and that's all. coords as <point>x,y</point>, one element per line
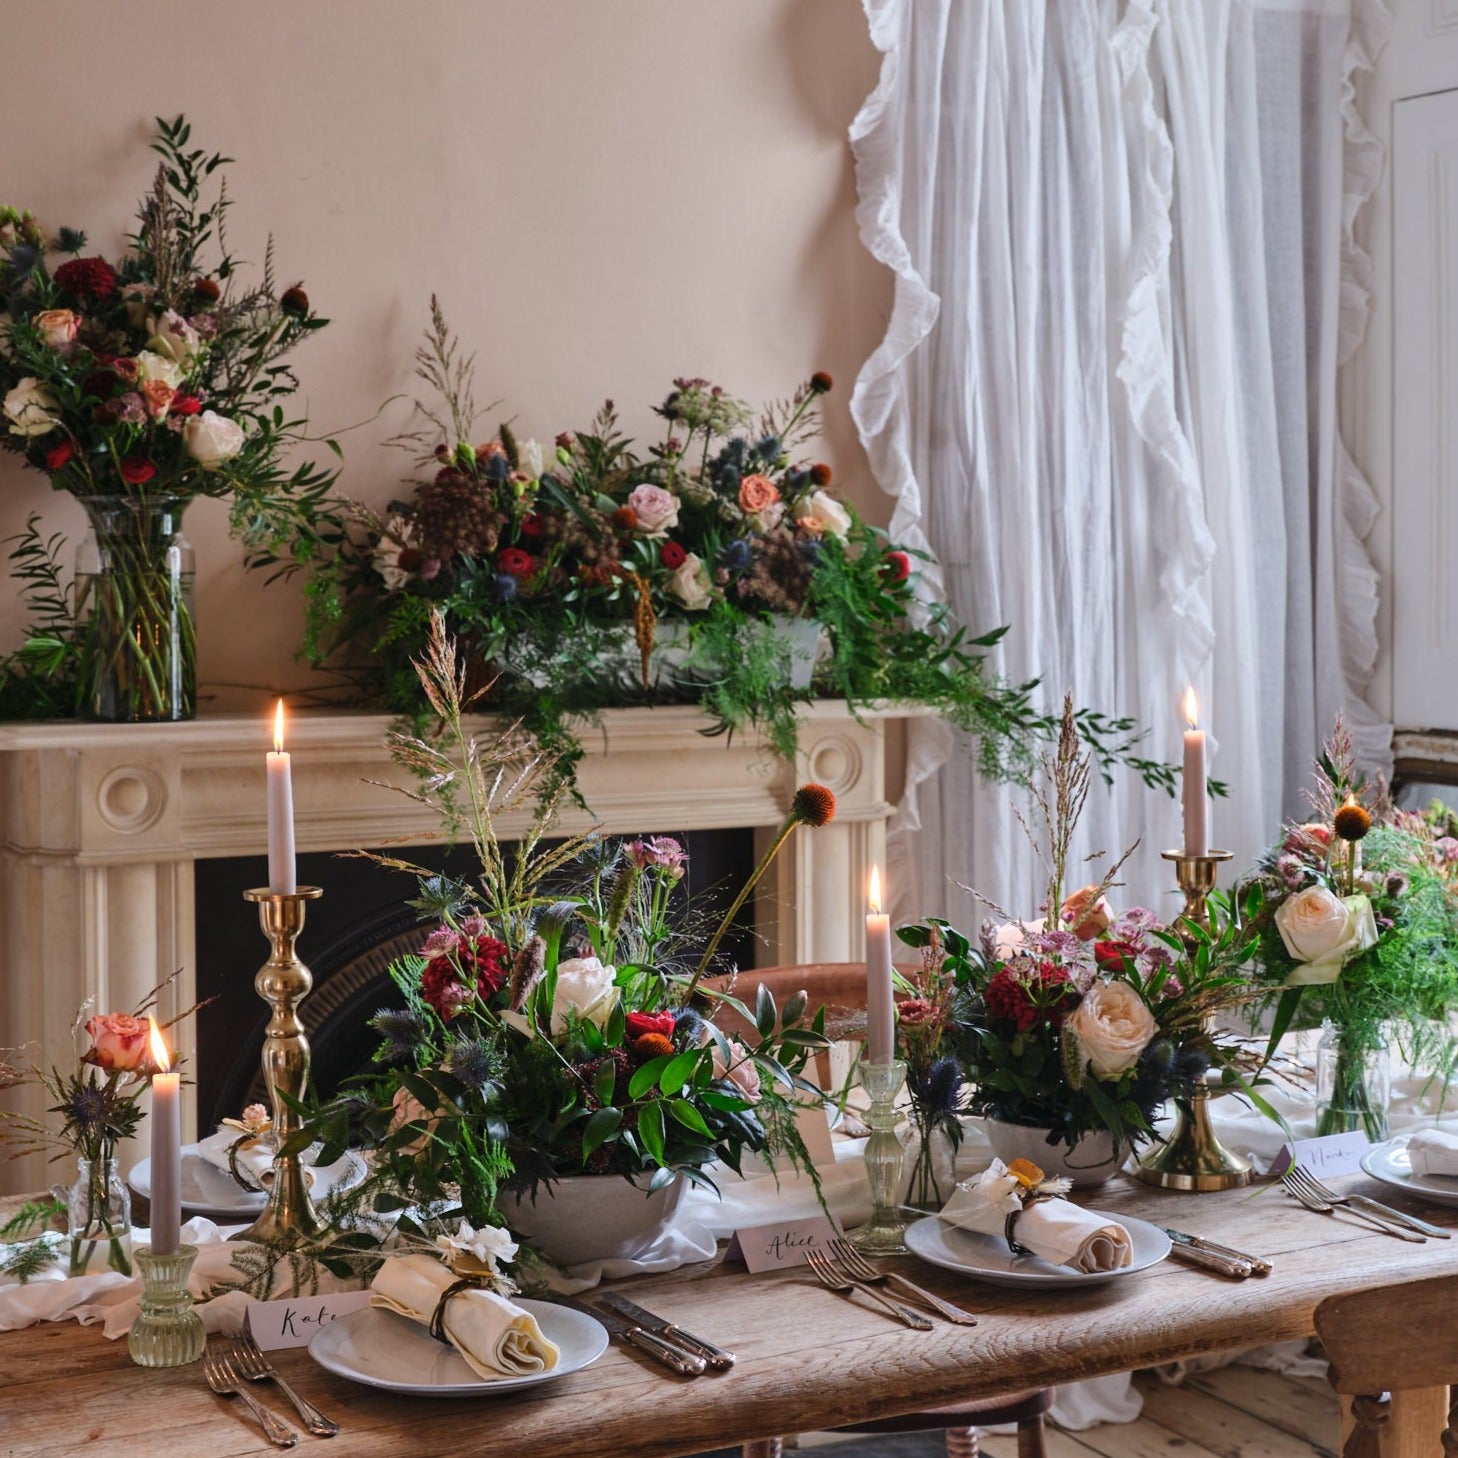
<point>90,279</point>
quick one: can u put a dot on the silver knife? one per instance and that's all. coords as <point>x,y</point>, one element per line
<point>1259,1265</point>
<point>716,1357</point>
<point>1401,1216</point>
<point>657,1347</point>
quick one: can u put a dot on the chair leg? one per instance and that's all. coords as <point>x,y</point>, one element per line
<point>764,1448</point>
<point>962,1443</point>
<point>1030,1438</point>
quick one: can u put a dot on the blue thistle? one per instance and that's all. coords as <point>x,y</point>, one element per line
<point>768,446</point>
<point>86,1109</point>
<point>736,555</point>
<point>506,586</point>
<point>498,468</point>
<point>938,1089</point>
<point>811,549</point>
<point>403,1031</point>
<point>473,1061</point>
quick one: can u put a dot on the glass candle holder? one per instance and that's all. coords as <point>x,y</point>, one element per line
<point>168,1332</point>
<point>884,1233</point>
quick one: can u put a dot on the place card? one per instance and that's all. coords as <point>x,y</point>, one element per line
<point>292,1323</point>
<point>1331,1154</point>
<point>780,1244</point>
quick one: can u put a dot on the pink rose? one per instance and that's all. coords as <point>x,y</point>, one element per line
<point>57,328</point>
<point>1087,914</point>
<point>655,509</point>
<point>118,1042</point>
<point>742,1071</point>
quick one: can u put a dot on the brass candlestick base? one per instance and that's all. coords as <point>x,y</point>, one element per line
<point>1192,1158</point>
<point>283,982</point>
<point>1195,876</point>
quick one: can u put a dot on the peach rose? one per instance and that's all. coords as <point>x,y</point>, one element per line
<point>741,1070</point>
<point>118,1042</point>
<point>158,397</point>
<point>756,493</point>
<point>1087,914</point>
<point>57,328</point>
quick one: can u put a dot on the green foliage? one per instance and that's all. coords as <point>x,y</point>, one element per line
<point>41,678</point>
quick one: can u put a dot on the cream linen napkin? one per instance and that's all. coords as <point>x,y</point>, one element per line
<point>1433,1152</point>
<point>496,1338</point>
<point>1058,1231</point>
<point>254,1162</point>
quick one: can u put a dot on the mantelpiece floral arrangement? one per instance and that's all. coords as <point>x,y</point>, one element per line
<point>1072,1029</point>
<point>138,385</point>
<point>1358,931</point>
<point>717,565</point>
<point>555,1022</point>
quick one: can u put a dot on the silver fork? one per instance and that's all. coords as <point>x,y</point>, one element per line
<point>1364,1202</point>
<point>248,1358</point>
<point>855,1265</point>
<point>1296,1188</point>
<point>834,1279</point>
<point>226,1383</point>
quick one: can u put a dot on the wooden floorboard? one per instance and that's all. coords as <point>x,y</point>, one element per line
<point>1217,1424</point>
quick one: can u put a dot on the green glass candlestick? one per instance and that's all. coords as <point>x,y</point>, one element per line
<point>168,1333</point>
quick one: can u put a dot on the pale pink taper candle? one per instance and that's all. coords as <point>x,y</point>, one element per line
<point>281,870</point>
<point>880,1012</point>
<point>166,1122</point>
<point>1195,801</point>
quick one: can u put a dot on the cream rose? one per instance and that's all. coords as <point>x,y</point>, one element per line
<point>532,458</point>
<point>656,509</point>
<point>586,987</point>
<point>1113,1026</point>
<point>28,408</point>
<point>57,328</point>
<point>119,1042</point>
<point>154,366</point>
<point>1323,931</point>
<point>396,537</point>
<point>823,513</point>
<point>174,338</point>
<point>690,583</point>
<point>211,439</point>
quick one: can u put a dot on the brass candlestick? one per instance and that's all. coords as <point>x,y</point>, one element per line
<point>1192,1158</point>
<point>283,982</point>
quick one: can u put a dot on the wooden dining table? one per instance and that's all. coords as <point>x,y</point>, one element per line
<point>808,1359</point>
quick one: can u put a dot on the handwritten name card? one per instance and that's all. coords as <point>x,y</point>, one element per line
<point>292,1323</point>
<point>1331,1154</point>
<point>780,1244</point>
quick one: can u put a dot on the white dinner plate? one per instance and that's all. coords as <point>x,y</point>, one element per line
<point>383,1349</point>
<point>208,1190</point>
<point>987,1257</point>
<point>1390,1163</point>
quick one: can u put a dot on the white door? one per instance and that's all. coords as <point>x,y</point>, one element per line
<point>1425,379</point>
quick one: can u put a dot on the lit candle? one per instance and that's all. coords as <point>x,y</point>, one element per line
<point>280,814</point>
<point>166,1148</point>
<point>1196,802</point>
<point>880,1016</point>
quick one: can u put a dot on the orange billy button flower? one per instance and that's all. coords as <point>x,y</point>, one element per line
<point>653,1045</point>
<point>1352,821</point>
<point>1026,1173</point>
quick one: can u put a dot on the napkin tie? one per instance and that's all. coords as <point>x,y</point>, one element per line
<point>437,1317</point>
<point>1026,1200</point>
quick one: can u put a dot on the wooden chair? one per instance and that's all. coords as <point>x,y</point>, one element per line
<point>1392,1358</point>
<point>841,987</point>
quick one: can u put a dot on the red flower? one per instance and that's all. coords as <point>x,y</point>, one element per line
<point>1031,993</point>
<point>206,290</point>
<point>185,405</point>
<point>515,562</point>
<point>99,383</point>
<point>820,474</point>
<point>625,518</point>
<point>531,526</point>
<point>672,555</point>
<point>640,1024</point>
<point>443,979</point>
<point>57,456</point>
<point>442,988</point>
<point>136,470</point>
<point>896,566</point>
<point>87,278</point>
<point>1110,956</point>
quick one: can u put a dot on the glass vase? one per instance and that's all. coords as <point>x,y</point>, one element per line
<point>99,1219</point>
<point>1353,1082</point>
<point>134,599</point>
<point>930,1160</point>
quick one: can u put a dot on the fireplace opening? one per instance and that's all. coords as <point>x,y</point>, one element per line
<point>350,937</point>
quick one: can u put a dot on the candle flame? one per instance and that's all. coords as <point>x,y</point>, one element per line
<point>161,1058</point>
<point>278,727</point>
<point>875,892</point>
<point>1191,707</point>
<point>1350,801</point>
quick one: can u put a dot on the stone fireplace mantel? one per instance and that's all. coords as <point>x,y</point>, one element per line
<point>100,826</point>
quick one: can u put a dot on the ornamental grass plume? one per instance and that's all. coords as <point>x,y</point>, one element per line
<point>812,805</point>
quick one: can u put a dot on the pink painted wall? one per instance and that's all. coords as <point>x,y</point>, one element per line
<point>604,193</point>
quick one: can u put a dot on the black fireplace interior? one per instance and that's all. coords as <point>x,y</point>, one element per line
<point>350,937</point>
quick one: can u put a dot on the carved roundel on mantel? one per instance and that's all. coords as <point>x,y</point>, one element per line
<point>835,762</point>
<point>131,799</point>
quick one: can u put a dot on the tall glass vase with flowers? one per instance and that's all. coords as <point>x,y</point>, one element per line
<point>1358,925</point>
<point>137,386</point>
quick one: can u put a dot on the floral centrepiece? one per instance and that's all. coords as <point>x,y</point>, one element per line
<point>1358,928</point>
<point>554,1022</point>
<point>138,385</point>
<point>717,565</point>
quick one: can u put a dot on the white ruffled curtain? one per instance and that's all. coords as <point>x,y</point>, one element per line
<point>1106,402</point>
